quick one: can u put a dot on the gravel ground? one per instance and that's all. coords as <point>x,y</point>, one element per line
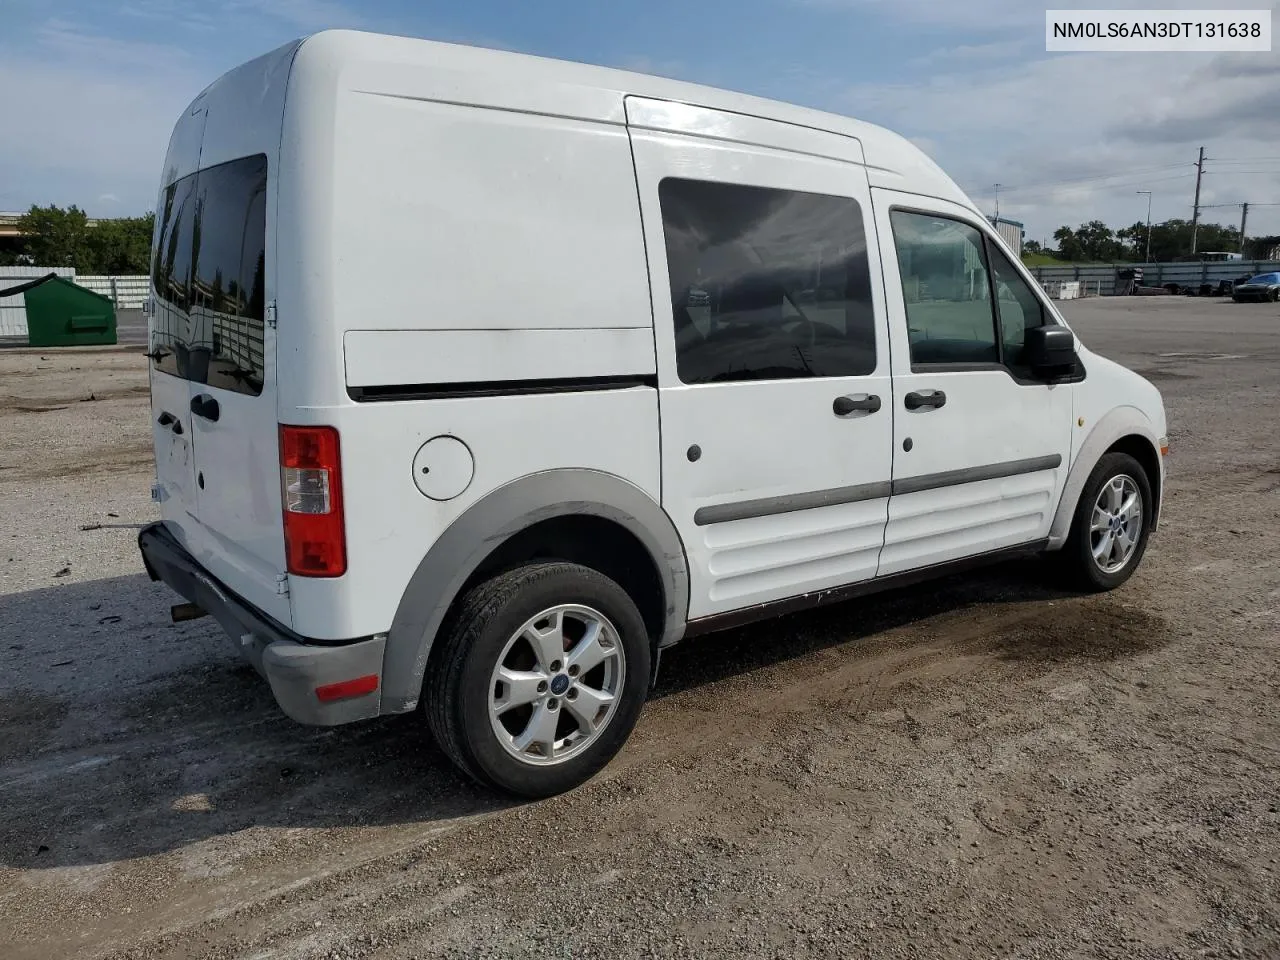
<point>986,767</point>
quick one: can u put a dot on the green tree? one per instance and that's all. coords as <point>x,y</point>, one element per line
<point>53,237</point>
<point>119,247</point>
<point>1134,241</point>
<point>1098,242</point>
<point>1068,244</point>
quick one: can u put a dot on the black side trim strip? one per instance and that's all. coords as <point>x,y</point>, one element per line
<point>769,506</point>
<point>807,601</point>
<point>495,388</point>
<point>994,471</point>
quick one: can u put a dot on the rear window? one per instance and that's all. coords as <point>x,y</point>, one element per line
<point>209,274</point>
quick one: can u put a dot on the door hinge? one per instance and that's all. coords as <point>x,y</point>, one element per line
<point>158,494</point>
<point>271,314</point>
<point>282,585</point>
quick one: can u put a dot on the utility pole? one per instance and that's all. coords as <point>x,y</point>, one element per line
<point>1244,218</point>
<point>997,201</point>
<point>1195,210</point>
<point>1148,193</point>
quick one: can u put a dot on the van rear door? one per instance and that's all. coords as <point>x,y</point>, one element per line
<point>214,349</point>
<point>214,366</point>
<point>233,405</point>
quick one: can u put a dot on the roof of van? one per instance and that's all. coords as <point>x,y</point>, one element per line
<point>431,70</point>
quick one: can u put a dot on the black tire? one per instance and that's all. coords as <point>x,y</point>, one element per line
<point>1077,555</point>
<point>457,686</point>
<point>1275,295</point>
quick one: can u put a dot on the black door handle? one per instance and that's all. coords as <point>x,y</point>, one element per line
<point>203,405</point>
<point>922,399</point>
<point>854,403</point>
<point>167,419</point>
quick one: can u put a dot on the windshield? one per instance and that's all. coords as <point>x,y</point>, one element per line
<point>208,270</point>
<point>1265,278</point>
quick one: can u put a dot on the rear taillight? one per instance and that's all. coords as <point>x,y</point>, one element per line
<point>315,542</point>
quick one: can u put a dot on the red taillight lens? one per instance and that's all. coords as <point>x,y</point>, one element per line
<point>315,539</point>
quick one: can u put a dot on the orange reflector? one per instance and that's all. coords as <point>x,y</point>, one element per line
<point>346,689</point>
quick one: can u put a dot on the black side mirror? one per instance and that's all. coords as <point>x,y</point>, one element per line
<point>1050,349</point>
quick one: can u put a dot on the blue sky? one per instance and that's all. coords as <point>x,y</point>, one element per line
<point>92,88</point>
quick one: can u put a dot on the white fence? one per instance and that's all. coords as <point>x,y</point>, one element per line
<point>127,293</point>
<point>13,310</point>
<point>1101,277</point>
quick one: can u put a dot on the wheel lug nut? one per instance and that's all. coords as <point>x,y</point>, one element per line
<point>573,670</point>
<point>553,703</point>
<point>573,694</point>
<point>542,686</point>
<point>555,666</point>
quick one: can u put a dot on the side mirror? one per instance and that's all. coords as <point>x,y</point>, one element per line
<point>1050,349</point>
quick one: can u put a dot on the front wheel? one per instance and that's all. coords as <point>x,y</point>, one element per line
<point>540,679</point>
<point>1111,525</point>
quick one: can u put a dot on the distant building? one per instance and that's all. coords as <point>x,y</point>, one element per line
<point>1011,232</point>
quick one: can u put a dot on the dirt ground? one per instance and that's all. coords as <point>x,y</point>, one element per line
<point>985,767</point>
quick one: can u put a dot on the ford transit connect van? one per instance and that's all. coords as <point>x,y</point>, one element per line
<point>479,379</point>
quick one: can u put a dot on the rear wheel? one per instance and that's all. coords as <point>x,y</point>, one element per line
<point>1111,525</point>
<point>540,679</point>
<point>1275,295</point>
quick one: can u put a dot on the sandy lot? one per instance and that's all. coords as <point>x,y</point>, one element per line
<point>987,767</point>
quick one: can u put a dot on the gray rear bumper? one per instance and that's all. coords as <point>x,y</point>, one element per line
<point>292,665</point>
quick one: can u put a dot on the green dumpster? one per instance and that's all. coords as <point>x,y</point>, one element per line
<point>61,314</point>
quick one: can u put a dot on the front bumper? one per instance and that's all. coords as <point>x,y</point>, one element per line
<point>293,666</point>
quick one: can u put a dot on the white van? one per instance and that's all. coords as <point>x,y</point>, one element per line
<point>479,379</point>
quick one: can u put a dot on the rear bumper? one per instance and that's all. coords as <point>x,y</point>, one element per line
<point>293,666</point>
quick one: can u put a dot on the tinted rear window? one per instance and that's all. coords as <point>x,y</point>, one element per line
<point>209,274</point>
<point>766,284</point>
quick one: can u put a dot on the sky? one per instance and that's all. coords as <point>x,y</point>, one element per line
<point>89,89</point>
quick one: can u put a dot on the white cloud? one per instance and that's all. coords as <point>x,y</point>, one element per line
<point>1068,117</point>
<point>992,106</point>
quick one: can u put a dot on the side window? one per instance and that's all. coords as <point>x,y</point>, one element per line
<point>1018,308</point>
<point>945,288</point>
<point>227,294</point>
<point>766,284</point>
<point>171,275</point>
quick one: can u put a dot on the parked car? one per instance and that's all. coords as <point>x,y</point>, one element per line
<point>1265,286</point>
<point>441,472</point>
